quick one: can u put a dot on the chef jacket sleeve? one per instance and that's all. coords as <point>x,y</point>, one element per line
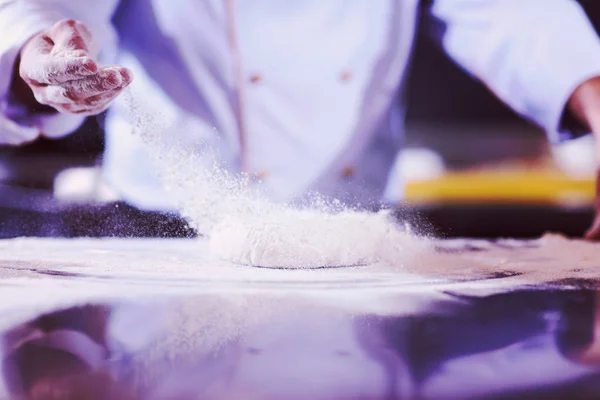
<point>19,21</point>
<point>532,54</point>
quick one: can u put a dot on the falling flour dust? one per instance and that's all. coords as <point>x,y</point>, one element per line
<point>243,226</point>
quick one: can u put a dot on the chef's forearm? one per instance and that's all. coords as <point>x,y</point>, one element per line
<point>584,104</point>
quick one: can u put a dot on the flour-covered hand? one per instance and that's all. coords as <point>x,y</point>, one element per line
<point>59,67</point>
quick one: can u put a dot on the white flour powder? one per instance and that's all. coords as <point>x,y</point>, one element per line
<point>245,227</point>
<point>287,238</point>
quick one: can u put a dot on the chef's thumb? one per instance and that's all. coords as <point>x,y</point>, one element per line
<point>71,36</point>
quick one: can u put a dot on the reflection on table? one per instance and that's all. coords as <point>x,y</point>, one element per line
<point>539,343</point>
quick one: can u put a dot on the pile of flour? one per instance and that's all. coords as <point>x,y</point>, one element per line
<point>312,238</point>
<point>243,226</point>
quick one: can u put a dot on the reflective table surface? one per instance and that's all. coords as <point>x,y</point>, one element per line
<point>158,319</point>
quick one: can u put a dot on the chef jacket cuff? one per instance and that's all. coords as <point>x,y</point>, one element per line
<point>19,125</point>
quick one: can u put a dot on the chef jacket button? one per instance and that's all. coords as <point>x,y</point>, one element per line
<point>348,173</point>
<point>255,79</point>
<point>258,176</point>
<point>262,175</point>
<point>346,76</point>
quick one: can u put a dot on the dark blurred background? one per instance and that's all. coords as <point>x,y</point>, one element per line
<point>449,113</point>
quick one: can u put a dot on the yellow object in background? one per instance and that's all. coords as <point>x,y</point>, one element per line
<point>521,186</point>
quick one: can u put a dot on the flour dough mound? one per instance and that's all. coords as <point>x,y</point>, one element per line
<point>311,239</point>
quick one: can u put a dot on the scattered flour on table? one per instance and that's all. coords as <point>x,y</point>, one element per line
<point>245,227</point>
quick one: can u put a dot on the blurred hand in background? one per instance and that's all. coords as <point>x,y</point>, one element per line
<point>585,104</point>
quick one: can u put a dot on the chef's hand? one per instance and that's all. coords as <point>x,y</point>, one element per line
<point>594,232</point>
<point>585,105</point>
<point>57,68</point>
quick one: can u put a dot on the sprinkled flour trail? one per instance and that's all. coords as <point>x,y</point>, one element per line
<point>245,227</point>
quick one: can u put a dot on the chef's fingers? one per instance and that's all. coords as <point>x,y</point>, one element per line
<point>107,79</point>
<point>76,92</point>
<point>593,233</point>
<point>91,106</point>
<point>55,70</point>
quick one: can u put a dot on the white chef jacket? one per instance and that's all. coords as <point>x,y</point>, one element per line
<point>303,94</point>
